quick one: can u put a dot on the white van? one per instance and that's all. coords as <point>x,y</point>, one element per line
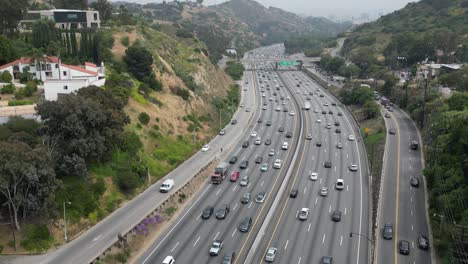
<point>285,146</point>
<point>168,260</point>
<point>166,186</point>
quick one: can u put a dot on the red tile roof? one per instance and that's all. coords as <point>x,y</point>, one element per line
<point>24,60</point>
<point>78,68</point>
<point>9,64</point>
<point>90,64</point>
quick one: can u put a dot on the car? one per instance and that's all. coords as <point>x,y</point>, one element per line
<point>308,98</point>
<point>285,110</point>
<point>414,181</point>
<point>283,103</point>
<point>260,121</point>
<point>254,134</point>
<point>216,247</point>
<point>328,126</point>
<point>337,123</point>
<point>323,191</point>
<point>404,247</point>
<point>339,185</point>
<point>229,258</point>
<point>271,152</point>
<point>285,146</point>
<point>207,212</point>
<point>318,144</point>
<point>277,109</point>
<point>316,110</point>
<point>303,214</point>
<point>289,134</point>
<point>244,181</point>
<point>271,254</point>
<point>339,145</point>
<point>414,145</point>
<point>388,231</point>
<point>423,242</point>
<point>325,104</point>
<point>326,260</point>
<point>242,105</point>
<point>324,112</point>
<point>309,136</point>
<point>353,167</point>
<point>351,138</point>
<point>293,193</point>
<point>392,131</point>
<point>281,129</point>
<point>245,144</point>
<point>318,120</point>
<point>340,114</point>
<point>222,132</point>
<point>168,260</point>
<point>244,226</point>
<point>334,104</point>
<point>390,109</point>
<point>258,141</point>
<point>321,95</point>
<point>313,176</point>
<point>336,216</point>
<point>245,198</point>
<point>268,123</point>
<point>291,113</point>
<point>277,164</point>
<point>247,109</point>
<point>233,160</point>
<point>205,148</point>
<point>268,142</point>
<point>222,212</point>
<point>289,98</point>
<point>260,197</point>
<point>327,164</point>
<point>387,115</point>
<point>244,164</point>
<point>330,112</point>
<point>234,121</point>
<point>264,167</point>
<point>276,100</point>
<point>234,176</point>
<point>338,131</point>
<point>259,160</point>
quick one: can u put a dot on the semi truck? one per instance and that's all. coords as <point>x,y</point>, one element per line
<point>219,173</point>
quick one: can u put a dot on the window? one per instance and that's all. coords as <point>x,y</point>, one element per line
<point>65,87</point>
<point>72,16</point>
<point>48,74</point>
<point>64,73</point>
<point>56,66</point>
<point>95,16</point>
<point>49,67</point>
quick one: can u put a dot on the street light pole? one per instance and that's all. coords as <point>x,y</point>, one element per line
<point>65,219</point>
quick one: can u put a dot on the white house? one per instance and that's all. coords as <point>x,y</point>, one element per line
<point>63,18</point>
<point>58,78</point>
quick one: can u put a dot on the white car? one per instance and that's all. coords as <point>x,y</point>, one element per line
<point>277,109</point>
<point>316,111</point>
<point>216,247</point>
<point>264,167</point>
<point>285,146</point>
<point>339,185</point>
<point>291,113</point>
<point>271,254</point>
<point>325,104</point>
<point>277,164</point>
<point>328,126</point>
<point>351,138</point>
<point>205,148</point>
<point>319,121</point>
<point>313,176</point>
<point>270,99</point>
<point>324,191</point>
<point>254,134</point>
<point>271,153</point>
<point>353,167</point>
<point>242,105</point>
<point>303,214</point>
<point>289,98</point>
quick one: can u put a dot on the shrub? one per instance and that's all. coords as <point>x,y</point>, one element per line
<point>131,142</point>
<point>6,77</point>
<point>127,180</point>
<point>1,249</point>
<point>235,70</point>
<point>38,238</point>
<point>20,102</point>
<point>144,118</point>
<point>8,89</point>
<point>125,41</point>
<point>183,93</point>
<point>11,243</point>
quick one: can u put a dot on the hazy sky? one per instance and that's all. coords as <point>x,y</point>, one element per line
<point>339,8</point>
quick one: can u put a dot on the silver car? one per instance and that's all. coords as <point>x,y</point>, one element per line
<point>244,181</point>
<point>271,254</point>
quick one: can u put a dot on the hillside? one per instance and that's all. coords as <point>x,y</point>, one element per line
<point>433,29</point>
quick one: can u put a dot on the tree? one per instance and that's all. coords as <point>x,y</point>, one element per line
<point>139,61</point>
<point>7,52</point>
<point>6,77</point>
<point>71,4</point>
<point>11,12</point>
<point>390,82</point>
<point>27,179</point>
<point>104,8</point>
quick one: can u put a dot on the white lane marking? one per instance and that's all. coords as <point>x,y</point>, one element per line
<point>217,234</point>
<point>313,157</point>
<point>329,209</point>
<point>233,233</point>
<point>262,183</point>
<point>335,168</point>
<point>411,199</point>
<point>308,229</point>
<point>323,239</point>
<point>194,244</point>
<point>305,190</point>
<point>299,262</point>
<point>248,186</point>
<point>96,238</point>
<point>411,212</point>
<point>325,149</point>
<point>411,227</point>
<point>347,188</point>
<point>316,200</point>
<point>341,240</point>
<point>286,246</point>
<point>235,187</point>
<point>412,244</point>
<point>250,204</point>
<point>336,154</point>
<point>218,192</point>
<point>347,156</point>
<point>345,210</point>
<point>235,206</point>
<point>172,250</point>
<point>320,181</point>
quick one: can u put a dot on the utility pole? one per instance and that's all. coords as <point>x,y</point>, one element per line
<point>424,104</point>
<point>65,220</point>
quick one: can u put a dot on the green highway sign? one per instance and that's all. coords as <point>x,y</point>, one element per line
<point>288,63</point>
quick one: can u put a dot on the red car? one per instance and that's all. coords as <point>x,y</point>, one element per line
<point>234,176</point>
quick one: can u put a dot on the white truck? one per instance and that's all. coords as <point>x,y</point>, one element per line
<point>166,186</point>
<point>307,106</point>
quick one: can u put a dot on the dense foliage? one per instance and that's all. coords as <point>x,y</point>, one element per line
<point>11,12</point>
<point>312,46</point>
<point>235,70</point>
<point>139,62</point>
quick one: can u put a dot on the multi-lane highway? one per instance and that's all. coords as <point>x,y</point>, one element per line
<point>401,204</point>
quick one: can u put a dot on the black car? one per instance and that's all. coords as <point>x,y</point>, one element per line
<point>324,112</point>
<point>285,110</point>
<point>244,164</point>
<point>414,145</point>
<point>414,182</point>
<point>333,103</point>
<point>281,129</point>
<point>340,114</point>
<point>233,122</point>
<point>293,193</point>
<point>207,212</point>
<point>318,144</point>
<point>388,231</point>
<point>392,131</point>
<point>423,242</point>
<point>233,160</point>
<point>244,226</point>
<point>229,258</point>
<point>327,164</point>
<point>336,216</point>
<point>268,123</point>
<point>259,121</point>
<point>268,142</point>
<point>259,160</point>
<point>222,212</point>
<point>321,95</point>
<point>289,134</point>
<point>330,112</point>
<point>337,130</point>
<point>337,123</point>
<point>326,260</point>
<point>404,247</point>
<point>245,144</point>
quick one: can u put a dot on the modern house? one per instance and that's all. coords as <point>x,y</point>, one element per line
<point>63,18</point>
<point>58,78</point>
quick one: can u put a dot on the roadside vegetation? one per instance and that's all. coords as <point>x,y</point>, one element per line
<point>235,70</point>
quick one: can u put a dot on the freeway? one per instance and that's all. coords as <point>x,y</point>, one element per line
<point>307,241</point>
<point>189,239</point>
<point>401,204</point>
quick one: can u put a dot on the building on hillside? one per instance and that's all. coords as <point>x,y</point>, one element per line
<point>232,52</point>
<point>63,18</point>
<point>433,70</point>
<point>58,78</point>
